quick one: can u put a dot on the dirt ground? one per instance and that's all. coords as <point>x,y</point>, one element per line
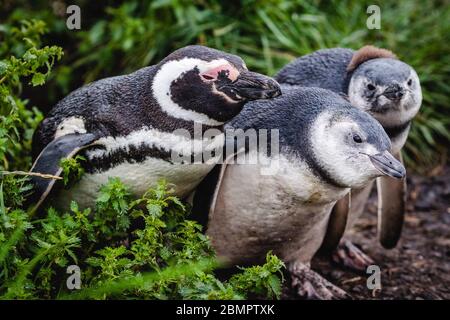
<point>419,267</point>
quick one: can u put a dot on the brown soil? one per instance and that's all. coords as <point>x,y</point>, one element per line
<point>419,267</point>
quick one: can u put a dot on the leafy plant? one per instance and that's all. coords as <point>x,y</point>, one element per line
<point>72,169</point>
<point>20,57</point>
<point>17,123</point>
<point>168,258</point>
<point>261,280</point>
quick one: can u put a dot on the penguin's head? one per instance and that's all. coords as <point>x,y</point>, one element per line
<point>209,86</point>
<point>387,88</point>
<point>351,147</point>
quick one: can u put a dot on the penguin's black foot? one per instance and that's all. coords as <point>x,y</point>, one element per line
<point>349,256</point>
<point>309,285</point>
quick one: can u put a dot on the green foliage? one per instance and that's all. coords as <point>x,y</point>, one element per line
<point>261,280</point>
<point>112,207</point>
<point>168,258</point>
<point>15,189</point>
<point>21,57</point>
<point>72,169</point>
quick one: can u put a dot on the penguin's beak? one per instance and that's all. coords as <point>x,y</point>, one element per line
<point>394,92</point>
<point>253,86</point>
<point>388,165</point>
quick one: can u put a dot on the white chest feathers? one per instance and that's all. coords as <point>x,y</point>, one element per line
<point>140,176</point>
<point>287,213</point>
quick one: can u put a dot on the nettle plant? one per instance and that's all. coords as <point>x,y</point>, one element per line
<point>125,248</point>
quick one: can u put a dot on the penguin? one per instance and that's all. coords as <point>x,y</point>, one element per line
<point>374,80</point>
<point>280,198</point>
<point>137,126</point>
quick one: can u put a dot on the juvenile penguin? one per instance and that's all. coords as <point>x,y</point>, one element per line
<point>131,126</point>
<point>281,198</point>
<point>377,82</point>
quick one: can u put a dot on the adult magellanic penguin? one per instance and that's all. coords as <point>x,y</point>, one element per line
<point>281,198</point>
<point>130,126</point>
<point>387,88</point>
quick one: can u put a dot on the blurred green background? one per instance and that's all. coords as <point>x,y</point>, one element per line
<point>119,37</point>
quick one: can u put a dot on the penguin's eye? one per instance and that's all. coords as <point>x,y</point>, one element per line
<point>409,82</point>
<point>357,138</point>
<point>370,87</point>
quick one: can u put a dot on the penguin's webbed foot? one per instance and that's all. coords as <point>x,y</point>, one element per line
<point>309,285</point>
<point>349,256</point>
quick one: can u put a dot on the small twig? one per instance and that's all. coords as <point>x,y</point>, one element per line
<point>355,279</point>
<point>36,174</point>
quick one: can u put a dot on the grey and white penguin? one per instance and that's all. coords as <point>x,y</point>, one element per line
<point>130,126</point>
<point>388,89</point>
<point>281,198</point>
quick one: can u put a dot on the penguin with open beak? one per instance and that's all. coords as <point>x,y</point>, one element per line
<point>280,196</point>
<point>131,126</point>
<point>375,81</point>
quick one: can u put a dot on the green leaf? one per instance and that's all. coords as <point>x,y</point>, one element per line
<point>3,67</point>
<point>38,79</point>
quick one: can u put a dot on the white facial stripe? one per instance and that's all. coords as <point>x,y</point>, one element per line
<point>70,125</point>
<point>173,70</point>
<point>154,138</point>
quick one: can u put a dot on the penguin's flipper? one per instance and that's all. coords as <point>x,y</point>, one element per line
<point>336,224</point>
<point>391,208</point>
<point>203,195</point>
<point>221,174</point>
<point>206,194</point>
<point>47,162</point>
